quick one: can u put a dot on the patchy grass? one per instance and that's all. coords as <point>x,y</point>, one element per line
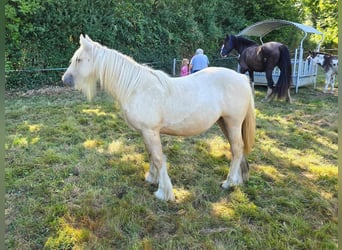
<point>75,179</point>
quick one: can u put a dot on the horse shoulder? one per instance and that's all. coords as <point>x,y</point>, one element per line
<point>242,62</point>
<point>252,58</point>
<point>143,108</point>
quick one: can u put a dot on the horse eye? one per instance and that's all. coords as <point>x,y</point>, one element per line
<point>78,60</point>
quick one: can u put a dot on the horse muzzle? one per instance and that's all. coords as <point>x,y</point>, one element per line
<point>68,80</point>
<point>224,52</point>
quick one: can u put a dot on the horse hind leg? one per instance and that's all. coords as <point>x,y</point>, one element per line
<point>239,169</point>
<point>288,96</point>
<point>270,86</point>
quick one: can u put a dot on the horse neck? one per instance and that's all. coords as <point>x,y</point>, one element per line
<point>242,43</point>
<point>118,74</point>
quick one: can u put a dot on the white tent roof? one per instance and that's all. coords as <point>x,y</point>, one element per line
<point>264,27</point>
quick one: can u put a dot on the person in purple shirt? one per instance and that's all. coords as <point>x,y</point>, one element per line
<point>199,61</point>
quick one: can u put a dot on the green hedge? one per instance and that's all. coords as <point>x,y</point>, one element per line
<point>44,34</point>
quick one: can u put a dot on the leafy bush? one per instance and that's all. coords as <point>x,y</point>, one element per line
<point>44,33</point>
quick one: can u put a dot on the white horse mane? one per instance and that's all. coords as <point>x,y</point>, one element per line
<point>119,74</point>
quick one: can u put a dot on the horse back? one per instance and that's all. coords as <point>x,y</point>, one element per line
<point>200,99</point>
<point>260,58</point>
<point>270,50</point>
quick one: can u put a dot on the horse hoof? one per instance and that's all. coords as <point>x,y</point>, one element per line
<point>229,185</point>
<point>164,197</point>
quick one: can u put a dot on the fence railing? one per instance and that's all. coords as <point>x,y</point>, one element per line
<point>226,62</point>
<point>38,77</point>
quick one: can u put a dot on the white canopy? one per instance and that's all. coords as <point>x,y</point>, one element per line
<point>264,27</point>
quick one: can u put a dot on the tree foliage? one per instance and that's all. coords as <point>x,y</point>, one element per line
<point>322,14</point>
<point>45,33</point>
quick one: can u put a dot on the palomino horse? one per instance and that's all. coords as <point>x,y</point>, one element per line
<point>329,63</point>
<point>154,103</point>
<point>263,58</point>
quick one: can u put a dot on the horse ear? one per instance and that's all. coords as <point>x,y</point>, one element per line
<point>85,42</point>
<point>81,38</point>
<point>88,38</point>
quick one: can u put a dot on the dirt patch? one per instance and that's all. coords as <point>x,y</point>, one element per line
<point>48,90</point>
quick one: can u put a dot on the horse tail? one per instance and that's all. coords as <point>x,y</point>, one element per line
<point>285,78</point>
<point>248,127</point>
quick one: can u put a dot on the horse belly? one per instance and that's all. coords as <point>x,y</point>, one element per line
<point>195,122</point>
<point>188,127</point>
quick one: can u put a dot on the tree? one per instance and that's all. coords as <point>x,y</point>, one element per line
<point>322,14</point>
<point>45,33</point>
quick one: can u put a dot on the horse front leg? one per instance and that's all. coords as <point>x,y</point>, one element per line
<point>152,175</point>
<point>243,70</point>
<point>158,170</point>
<point>327,82</point>
<point>332,83</point>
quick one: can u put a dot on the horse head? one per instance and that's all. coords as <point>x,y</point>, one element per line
<point>228,45</point>
<point>81,73</point>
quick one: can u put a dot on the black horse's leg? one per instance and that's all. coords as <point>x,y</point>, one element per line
<point>251,76</point>
<point>270,85</point>
<point>243,70</point>
<point>288,96</point>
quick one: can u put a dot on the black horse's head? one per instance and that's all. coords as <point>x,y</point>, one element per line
<point>228,45</point>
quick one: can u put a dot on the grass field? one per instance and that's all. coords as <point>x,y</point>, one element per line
<point>75,179</point>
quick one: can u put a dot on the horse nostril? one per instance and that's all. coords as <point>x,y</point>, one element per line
<point>68,79</point>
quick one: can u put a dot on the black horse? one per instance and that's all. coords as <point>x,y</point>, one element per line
<point>263,58</point>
